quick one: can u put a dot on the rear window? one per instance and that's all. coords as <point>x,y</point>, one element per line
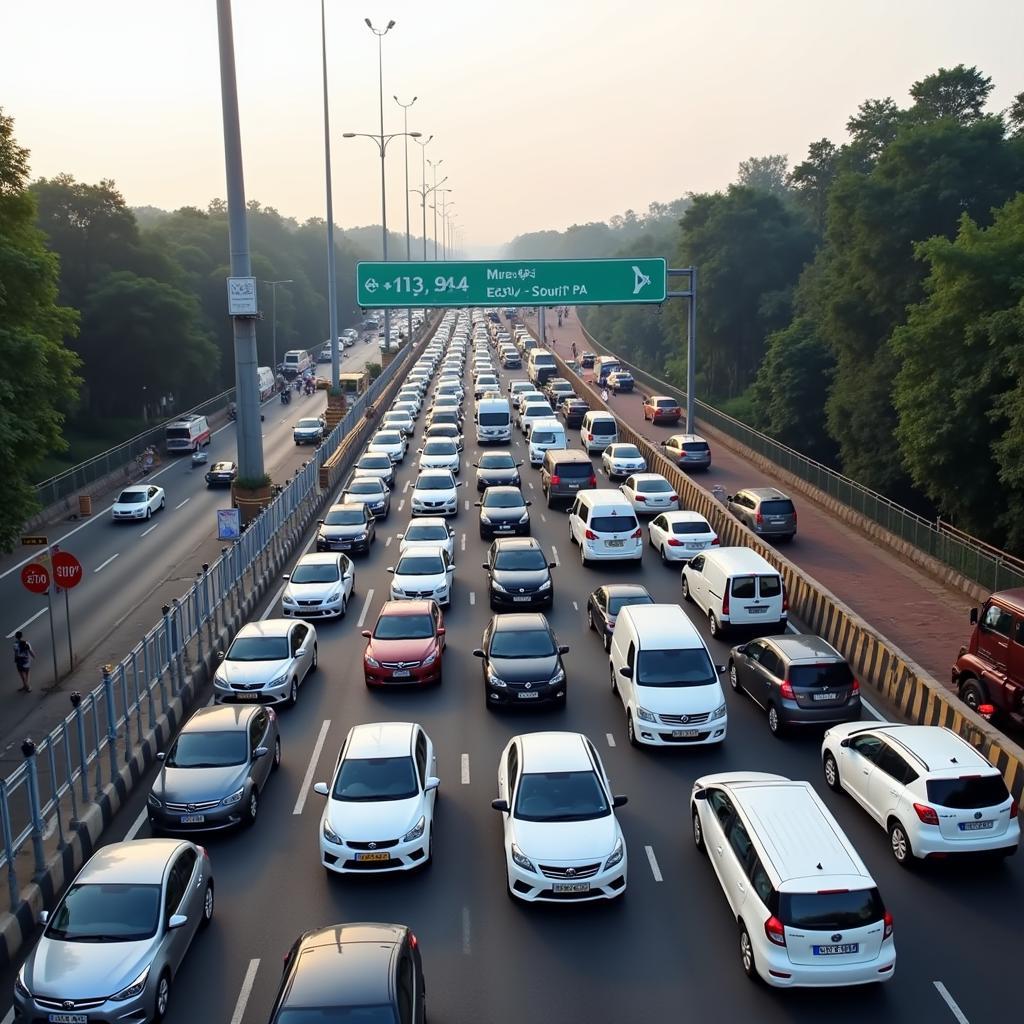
<point>744,586</point>
<point>831,911</point>
<point>968,792</point>
<point>573,470</point>
<point>771,586</point>
<point>695,447</point>
<point>666,403</point>
<point>828,673</point>
<point>603,427</point>
<point>613,524</point>
<point>690,528</point>
<point>777,507</point>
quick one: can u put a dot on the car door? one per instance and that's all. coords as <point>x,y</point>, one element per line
<point>715,821</point>
<point>696,581</point>
<point>297,639</point>
<point>184,896</point>
<point>259,767</point>
<point>770,673</point>
<point>856,765</point>
<point>507,778</point>
<point>886,784</point>
<point>151,497</point>
<point>422,759</point>
<point>348,575</point>
<point>405,988</point>
<point>658,531</point>
<point>748,669</point>
<point>627,687</point>
<point>738,862</point>
<point>994,642</point>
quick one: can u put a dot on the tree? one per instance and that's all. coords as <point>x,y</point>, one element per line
<point>765,173</point>
<point>958,93</point>
<point>1015,116</point>
<point>39,383</point>
<point>871,129</point>
<point>812,178</point>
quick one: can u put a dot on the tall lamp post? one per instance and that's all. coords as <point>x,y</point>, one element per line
<point>423,192</point>
<point>332,277</point>
<point>423,143</point>
<point>443,193</point>
<point>446,230</point>
<point>408,238</point>
<point>434,166</point>
<point>273,320</point>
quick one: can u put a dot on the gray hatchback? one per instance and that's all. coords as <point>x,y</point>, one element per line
<point>797,679</point>
<point>765,510</point>
<point>213,775</point>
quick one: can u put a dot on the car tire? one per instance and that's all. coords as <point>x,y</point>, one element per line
<point>698,833</point>
<point>734,678</point>
<point>591,625</point>
<point>607,642</point>
<point>293,692</point>
<point>276,763</point>
<point>747,953</point>
<point>664,556</point>
<point>614,684</point>
<point>316,659</point>
<point>775,724</point>
<point>208,906</point>
<point>972,693</point>
<point>714,626</point>
<point>584,561</point>
<point>162,999</point>
<point>572,539</point>
<point>831,771</point>
<point>163,503</point>
<point>149,513</point>
<point>899,844</point>
<point>631,731</point>
<point>685,587</point>
<point>341,614</point>
<point>252,808</point>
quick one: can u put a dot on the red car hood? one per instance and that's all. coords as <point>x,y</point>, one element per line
<point>401,650</point>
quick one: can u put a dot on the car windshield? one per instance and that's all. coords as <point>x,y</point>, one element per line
<point>502,499</point>
<point>830,911</point>
<point>619,601</point>
<point>493,419</point>
<point>653,486</point>
<point>626,451</point>
<point>106,912</point>
<point>308,424</point>
<point>439,448</point>
<point>258,648</point>
<point>690,527</point>
<point>435,482</point>
<point>132,498</point>
<point>613,524</point>
<point>498,461</point>
<point>382,1014</point>
<point>419,565</point>
<point>560,796</point>
<point>316,572</point>
<point>376,778</point>
<point>208,750</point>
<point>345,517</point>
<point>522,643</point>
<point>688,666</point>
<point>969,792</point>
<point>542,437</point>
<point>404,627</point>
<point>521,559</point>
<point>388,437</point>
<point>365,486</point>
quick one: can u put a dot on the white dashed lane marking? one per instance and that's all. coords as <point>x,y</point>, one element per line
<point>653,861</point>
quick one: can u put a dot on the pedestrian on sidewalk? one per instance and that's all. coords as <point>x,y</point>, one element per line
<point>23,655</point>
<point>604,394</point>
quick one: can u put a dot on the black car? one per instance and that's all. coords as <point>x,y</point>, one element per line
<point>348,527</point>
<point>572,410</point>
<point>221,474</point>
<point>587,360</point>
<point>504,511</point>
<point>605,603</point>
<point>518,574</point>
<point>496,468</point>
<point>353,972</point>
<point>522,662</point>
<point>556,389</point>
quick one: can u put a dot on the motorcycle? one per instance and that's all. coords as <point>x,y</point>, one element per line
<point>286,397</point>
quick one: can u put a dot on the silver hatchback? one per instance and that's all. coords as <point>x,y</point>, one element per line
<point>111,948</point>
<point>765,510</point>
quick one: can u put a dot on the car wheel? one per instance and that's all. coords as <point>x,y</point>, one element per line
<point>775,726</point>
<point>831,770</point>
<point>607,642</point>
<point>341,614</point>
<point>698,833</point>
<point>590,620</point>
<point>316,659</point>
<point>664,555</point>
<point>276,763</point>
<point>714,626</point>
<point>149,513</point>
<point>572,539</point>
<point>293,693</point>
<point>584,561</point>
<point>899,844</point>
<point>614,684</point>
<point>252,808</point>
<point>685,587</point>
<point>631,731</point>
<point>972,693</point>
<point>163,997</point>
<point>207,906</point>
<point>163,502</point>
<point>734,678</point>
<point>747,953</point>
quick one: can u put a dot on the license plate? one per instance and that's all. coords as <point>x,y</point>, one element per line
<point>614,543</point>
<point>840,950</point>
<point>525,598</point>
<point>193,819</point>
<point>570,887</point>
<point>67,1018</point>
<point>380,856</point>
<point>402,673</point>
<point>975,826</point>
<point>528,695</point>
<point>757,610</point>
<point>342,545</point>
<point>825,696</point>
<point>503,528</point>
<point>679,734</point>
<point>247,696</point>
<point>695,547</point>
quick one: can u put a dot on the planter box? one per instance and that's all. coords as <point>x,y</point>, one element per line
<point>251,501</point>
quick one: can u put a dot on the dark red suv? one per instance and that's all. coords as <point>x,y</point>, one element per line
<point>405,646</point>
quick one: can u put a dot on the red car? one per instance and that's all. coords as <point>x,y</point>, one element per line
<point>405,646</point>
<point>661,409</point>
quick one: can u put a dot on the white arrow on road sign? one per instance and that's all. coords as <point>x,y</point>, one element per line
<point>640,279</point>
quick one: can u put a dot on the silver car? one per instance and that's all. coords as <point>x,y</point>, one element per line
<point>114,943</point>
<point>216,769</point>
<point>266,663</point>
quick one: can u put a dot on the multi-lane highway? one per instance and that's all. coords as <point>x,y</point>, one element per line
<point>667,950</point>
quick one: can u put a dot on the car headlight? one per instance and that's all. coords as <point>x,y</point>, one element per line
<point>525,517</point>
<point>719,712</point>
<point>546,585</point>
<point>644,715</point>
<point>372,662</point>
<point>134,989</point>
<point>558,677</point>
<point>280,680</point>
<point>416,831</point>
<point>430,659</point>
<point>521,859</point>
<point>361,536</point>
<point>497,586</point>
<point>330,835</point>
<point>228,801</point>
<point>19,985</point>
<point>615,856</point>
<point>484,518</point>
<point>335,594</point>
<point>494,679</point>
<point>154,801</point>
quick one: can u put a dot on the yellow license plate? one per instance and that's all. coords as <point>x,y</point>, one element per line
<point>373,856</point>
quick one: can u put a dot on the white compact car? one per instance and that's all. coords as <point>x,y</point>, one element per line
<point>932,792</point>
<point>562,840</point>
<point>407,406</point>
<point>266,663</point>
<point>621,460</point>
<point>440,453</point>
<point>423,574</point>
<point>380,804</point>
<point>436,493</point>
<point>650,493</point>
<point>376,464</point>
<point>533,410</point>
<point>678,536</point>
<point>370,491</point>
<point>391,442</point>
<point>319,586</point>
<point>138,503</point>
<point>428,532</point>
<point>396,420</point>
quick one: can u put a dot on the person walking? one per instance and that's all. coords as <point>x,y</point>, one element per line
<point>604,394</point>
<point>23,656</point>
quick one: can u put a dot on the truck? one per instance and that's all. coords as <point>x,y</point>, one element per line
<point>604,365</point>
<point>988,673</point>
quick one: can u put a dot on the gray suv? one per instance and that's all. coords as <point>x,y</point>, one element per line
<point>765,510</point>
<point>798,680</point>
<point>563,473</point>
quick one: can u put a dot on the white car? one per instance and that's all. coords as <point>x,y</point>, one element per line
<point>932,792</point>
<point>562,840</point>
<point>620,460</point>
<point>533,411</point>
<point>650,493</point>
<point>380,804</point>
<point>449,430</point>
<point>516,388</point>
<point>266,663</point>
<point>408,407</point>
<point>409,395</point>
<point>679,536</point>
<point>376,464</point>
<point>138,502</point>
<point>319,586</point>
<point>435,493</point>
<point>428,532</point>
<point>400,421</point>
<point>440,453</point>
<point>485,382</point>
<point>391,442</point>
<point>423,574</point>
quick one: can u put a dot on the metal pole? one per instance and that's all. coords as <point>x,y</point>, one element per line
<point>408,236</point>
<point>423,196</point>
<point>249,435</point>
<point>67,619</point>
<point>273,329</point>
<point>691,352</point>
<point>332,277</point>
<point>434,207</point>
<point>383,187</point>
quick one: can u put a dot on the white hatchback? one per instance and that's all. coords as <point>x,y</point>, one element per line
<point>319,586</point>
<point>620,460</point>
<point>391,442</point>
<point>428,532</point>
<point>679,536</point>
<point>423,574</point>
<point>649,493</point>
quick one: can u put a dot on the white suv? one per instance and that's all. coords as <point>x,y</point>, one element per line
<point>931,791</point>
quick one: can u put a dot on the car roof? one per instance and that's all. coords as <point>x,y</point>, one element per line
<point>266,627</point>
<point>426,521</point>
<point>136,862</point>
<point>647,476</point>
<point>662,398</point>
<point>686,438</point>
<point>319,558</point>
<point>684,515</point>
<point>422,550</point>
<point>517,543</point>
<point>804,647</point>
<point>135,489</point>
<point>625,590</point>
<point>399,608</point>
<point>663,626</point>
<point>503,489</point>
<point>764,492</point>
<point>518,622</point>
<point>553,752</point>
<point>221,718</point>
<point>740,560</point>
<point>938,750</point>
<point>380,739</point>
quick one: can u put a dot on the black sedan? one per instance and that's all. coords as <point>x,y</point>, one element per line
<point>518,574</point>
<point>572,410</point>
<point>605,603</point>
<point>496,468</point>
<point>504,512</point>
<point>353,972</point>
<point>347,528</point>
<point>221,474</point>
<point>522,662</point>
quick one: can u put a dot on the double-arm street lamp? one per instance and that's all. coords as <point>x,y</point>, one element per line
<point>422,190</point>
<point>408,237</point>
<point>434,166</point>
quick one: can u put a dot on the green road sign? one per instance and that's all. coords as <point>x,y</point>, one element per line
<point>510,283</point>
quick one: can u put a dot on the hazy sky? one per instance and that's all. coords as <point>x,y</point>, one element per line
<point>545,112</point>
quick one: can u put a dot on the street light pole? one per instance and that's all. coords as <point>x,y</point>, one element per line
<point>434,167</point>
<point>408,237</point>
<point>332,277</point>
<point>423,191</point>
<point>273,329</point>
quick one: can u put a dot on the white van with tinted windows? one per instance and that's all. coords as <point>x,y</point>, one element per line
<point>544,434</point>
<point>735,587</point>
<point>493,420</point>
<point>540,366</point>
<point>598,430</point>
<point>663,673</point>
<point>604,524</point>
<point>296,362</point>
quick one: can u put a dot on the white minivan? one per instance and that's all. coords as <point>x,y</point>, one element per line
<point>598,430</point>
<point>735,587</point>
<point>493,420</point>
<point>605,526</point>
<point>544,434</point>
<point>662,671</point>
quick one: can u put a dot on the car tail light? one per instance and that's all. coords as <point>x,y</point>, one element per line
<point>855,689</point>
<point>590,535</point>
<point>637,533</point>
<point>1014,808</point>
<point>716,541</point>
<point>787,690</point>
<point>725,603</point>
<point>775,930</point>
<point>794,517</point>
<point>673,497</point>
<point>641,497</point>
<point>677,412</point>
<point>592,481</point>
<point>888,922</point>
<point>413,941</point>
<point>555,478</point>
<point>926,814</point>
<point>759,519</point>
<point>673,543</point>
<point>590,437</point>
<point>785,599</point>
<point>986,710</point>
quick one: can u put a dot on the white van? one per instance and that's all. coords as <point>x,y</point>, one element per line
<point>598,430</point>
<point>604,524</point>
<point>808,912</point>
<point>545,434</point>
<point>493,420</point>
<point>541,366</point>
<point>265,382</point>
<point>188,434</point>
<point>735,587</point>
<point>663,673</point>
<point>296,362</point>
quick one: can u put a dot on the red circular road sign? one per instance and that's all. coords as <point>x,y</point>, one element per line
<point>35,577</point>
<point>67,570</point>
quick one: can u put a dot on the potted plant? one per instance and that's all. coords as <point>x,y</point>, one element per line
<point>251,495</point>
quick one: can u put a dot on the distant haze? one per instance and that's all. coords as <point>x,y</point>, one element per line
<point>545,112</point>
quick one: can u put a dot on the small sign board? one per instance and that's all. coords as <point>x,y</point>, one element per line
<point>242,296</point>
<point>34,541</point>
<point>229,523</point>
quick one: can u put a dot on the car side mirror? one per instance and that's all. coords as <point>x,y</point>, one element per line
<point>518,464</point>
<point>626,672</point>
<point>160,755</point>
<point>302,652</point>
<point>528,503</point>
<point>484,565</point>
<point>845,742</point>
<point>974,616</point>
<point>552,565</point>
<point>44,916</point>
<point>260,752</point>
<point>475,466</point>
<point>741,649</point>
<point>500,805</point>
<point>286,576</point>
<point>720,669</point>
<point>728,497</point>
<point>432,783</point>
<point>478,652</point>
<point>700,794</point>
<point>563,649</point>
<point>220,655</point>
<point>390,569</point>
<point>441,631</point>
<point>176,921</point>
<point>320,788</point>
<point>478,504</point>
<point>365,633</point>
<point>320,522</point>
<point>620,800</point>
